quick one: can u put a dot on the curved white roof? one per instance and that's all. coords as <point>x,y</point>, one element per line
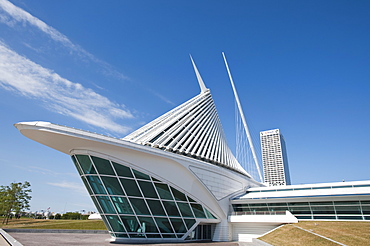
<point>192,129</point>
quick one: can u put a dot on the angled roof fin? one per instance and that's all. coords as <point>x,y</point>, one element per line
<point>202,86</point>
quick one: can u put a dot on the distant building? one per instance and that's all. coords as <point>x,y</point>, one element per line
<point>274,158</point>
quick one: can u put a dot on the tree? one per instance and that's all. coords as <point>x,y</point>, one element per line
<point>14,199</point>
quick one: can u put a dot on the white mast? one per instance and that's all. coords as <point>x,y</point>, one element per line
<point>202,86</point>
<point>243,119</point>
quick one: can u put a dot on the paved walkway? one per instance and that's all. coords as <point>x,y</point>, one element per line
<point>82,239</point>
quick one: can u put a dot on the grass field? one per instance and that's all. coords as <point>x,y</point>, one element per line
<point>27,223</point>
<point>345,232</point>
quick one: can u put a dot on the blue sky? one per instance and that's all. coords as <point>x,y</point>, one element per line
<point>112,66</point>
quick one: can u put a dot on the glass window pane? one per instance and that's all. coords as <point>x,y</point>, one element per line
<point>209,214</point>
<point>122,205</point>
<point>131,224</point>
<point>283,204</point>
<point>277,209</point>
<point>140,175</point>
<point>189,223</point>
<point>86,164</point>
<point>171,208</point>
<point>198,210</point>
<point>164,225</point>
<point>147,224</point>
<point>169,235</point>
<point>322,209</point>
<point>130,187</point>
<point>77,165</point>
<point>106,204</point>
<point>156,207</point>
<point>122,170</point>
<point>115,223</point>
<point>298,204</point>
<point>96,184</point>
<point>97,205</point>
<point>365,209</point>
<point>347,203</point>
<point>153,235</point>
<point>191,200</point>
<point>112,185</point>
<point>300,210</point>
<point>163,191</point>
<point>321,203</point>
<point>103,166</point>
<point>139,206</point>
<point>350,217</point>
<point>156,180</point>
<point>258,205</point>
<point>185,209</point>
<point>87,185</point>
<point>323,217</point>
<point>179,196</point>
<point>348,209</point>
<point>148,189</point>
<point>178,225</point>
<point>304,217</point>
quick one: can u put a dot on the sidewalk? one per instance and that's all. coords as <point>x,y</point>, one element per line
<point>96,239</point>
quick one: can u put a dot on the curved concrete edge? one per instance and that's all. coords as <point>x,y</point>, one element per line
<point>10,240</point>
<point>56,231</point>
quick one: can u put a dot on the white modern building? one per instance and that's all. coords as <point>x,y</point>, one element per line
<point>274,158</point>
<point>175,179</point>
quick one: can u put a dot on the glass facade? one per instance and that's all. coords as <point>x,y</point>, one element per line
<point>135,205</point>
<point>331,210</point>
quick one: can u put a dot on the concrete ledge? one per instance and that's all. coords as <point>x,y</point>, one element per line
<point>9,239</point>
<point>56,231</point>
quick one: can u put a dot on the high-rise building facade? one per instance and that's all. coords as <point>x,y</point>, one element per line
<point>274,158</point>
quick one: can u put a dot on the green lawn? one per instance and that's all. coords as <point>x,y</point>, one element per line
<point>345,232</point>
<point>27,223</point>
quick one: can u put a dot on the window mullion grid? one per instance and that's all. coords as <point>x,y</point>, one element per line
<point>144,198</point>
<point>107,193</point>
<point>164,209</point>
<point>123,189</point>
<point>182,216</point>
<point>79,168</point>
<point>93,195</point>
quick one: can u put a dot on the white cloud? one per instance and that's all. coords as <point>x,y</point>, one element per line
<point>13,15</point>
<point>60,95</point>
<point>17,14</point>
<point>71,186</point>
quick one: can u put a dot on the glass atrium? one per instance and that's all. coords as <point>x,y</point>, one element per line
<point>135,205</point>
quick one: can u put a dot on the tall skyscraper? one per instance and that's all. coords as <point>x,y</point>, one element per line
<point>274,158</point>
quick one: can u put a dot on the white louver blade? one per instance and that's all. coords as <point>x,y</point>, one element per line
<point>192,129</point>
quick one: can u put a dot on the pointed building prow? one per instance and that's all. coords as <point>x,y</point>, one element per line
<point>202,86</point>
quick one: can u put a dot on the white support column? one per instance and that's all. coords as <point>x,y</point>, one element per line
<point>243,119</point>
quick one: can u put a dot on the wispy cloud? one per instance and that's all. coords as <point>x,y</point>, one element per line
<point>71,186</point>
<point>45,171</point>
<point>60,95</point>
<point>12,15</point>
